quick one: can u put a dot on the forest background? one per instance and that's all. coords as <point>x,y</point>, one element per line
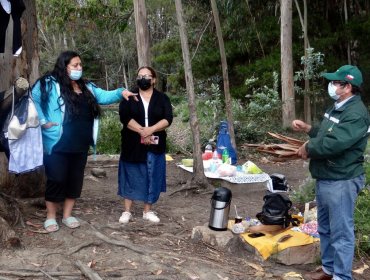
<point>103,31</point>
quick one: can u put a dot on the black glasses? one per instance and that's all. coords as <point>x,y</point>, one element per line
<point>148,77</point>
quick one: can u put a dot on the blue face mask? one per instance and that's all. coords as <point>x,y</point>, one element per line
<point>75,75</point>
<point>332,91</point>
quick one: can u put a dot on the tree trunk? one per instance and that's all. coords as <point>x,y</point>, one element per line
<point>225,75</point>
<point>307,98</point>
<point>301,19</point>
<point>142,33</point>
<point>198,174</point>
<point>11,67</point>
<point>123,60</point>
<point>287,88</point>
<point>348,42</point>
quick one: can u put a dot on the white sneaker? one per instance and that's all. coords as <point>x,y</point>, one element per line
<point>125,217</point>
<point>151,216</point>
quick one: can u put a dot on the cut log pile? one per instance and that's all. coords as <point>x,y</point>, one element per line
<point>287,150</point>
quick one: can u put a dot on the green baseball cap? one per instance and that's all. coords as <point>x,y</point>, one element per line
<point>347,73</point>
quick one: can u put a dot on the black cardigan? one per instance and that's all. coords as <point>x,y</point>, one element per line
<point>159,108</point>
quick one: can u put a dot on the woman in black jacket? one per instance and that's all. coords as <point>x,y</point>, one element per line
<point>142,170</point>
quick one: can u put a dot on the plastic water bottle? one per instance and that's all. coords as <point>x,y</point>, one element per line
<point>225,156</point>
<point>214,163</point>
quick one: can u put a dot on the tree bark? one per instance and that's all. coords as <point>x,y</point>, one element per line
<point>198,172</point>
<point>225,75</point>
<point>11,67</point>
<point>348,42</point>
<point>123,60</point>
<point>142,33</point>
<point>307,97</point>
<point>287,84</point>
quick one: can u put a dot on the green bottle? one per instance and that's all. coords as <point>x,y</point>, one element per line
<point>225,156</point>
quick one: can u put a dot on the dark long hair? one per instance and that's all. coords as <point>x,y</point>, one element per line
<point>60,75</point>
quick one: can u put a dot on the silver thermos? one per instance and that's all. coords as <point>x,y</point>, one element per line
<point>220,208</point>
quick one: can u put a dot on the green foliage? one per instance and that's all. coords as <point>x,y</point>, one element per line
<point>182,111</point>
<point>264,108</point>
<point>305,192</point>
<point>82,26</point>
<point>312,72</point>
<point>261,68</point>
<point>367,164</point>
<point>209,105</point>
<point>109,141</point>
<point>362,222</point>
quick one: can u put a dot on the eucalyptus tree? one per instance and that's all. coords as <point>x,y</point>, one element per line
<point>225,74</point>
<point>142,33</point>
<point>287,84</point>
<point>198,170</point>
<point>12,67</point>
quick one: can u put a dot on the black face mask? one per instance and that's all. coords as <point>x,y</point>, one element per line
<point>144,84</point>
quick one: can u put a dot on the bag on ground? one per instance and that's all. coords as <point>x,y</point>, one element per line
<point>275,210</point>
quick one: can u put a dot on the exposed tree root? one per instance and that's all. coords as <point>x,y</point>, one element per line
<point>48,275</point>
<point>7,235</point>
<point>87,271</point>
<point>10,210</point>
<point>127,244</point>
<point>38,202</point>
<point>37,273</point>
<point>194,184</point>
<point>74,249</point>
<point>149,277</point>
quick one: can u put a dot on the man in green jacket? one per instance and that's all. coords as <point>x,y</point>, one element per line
<point>336,152</point>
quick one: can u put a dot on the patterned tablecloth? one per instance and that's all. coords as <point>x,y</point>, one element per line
<point>239,179</point>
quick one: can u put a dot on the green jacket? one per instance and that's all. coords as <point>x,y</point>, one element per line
<point>337,146</point>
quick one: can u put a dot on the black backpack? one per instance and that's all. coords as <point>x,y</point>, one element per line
<point>275,210</point>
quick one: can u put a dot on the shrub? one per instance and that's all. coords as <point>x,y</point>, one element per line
<point>305,192</point>
<point>362,223</point>
<point>109,141</point>
<point>210,112</point>
<point>264,107</point>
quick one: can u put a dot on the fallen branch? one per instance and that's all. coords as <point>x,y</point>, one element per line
<point>287,150</point>
<point>87,271</point>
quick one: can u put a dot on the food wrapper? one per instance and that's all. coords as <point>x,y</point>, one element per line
<point>188,162</point>
<point>226,170</point>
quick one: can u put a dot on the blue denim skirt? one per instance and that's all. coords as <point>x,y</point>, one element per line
<point>143,181</point>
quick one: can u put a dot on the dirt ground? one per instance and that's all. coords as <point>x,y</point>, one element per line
<point>141,250</point>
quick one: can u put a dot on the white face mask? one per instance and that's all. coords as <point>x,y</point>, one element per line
<point>332,91</point>
<point>75,75</point>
